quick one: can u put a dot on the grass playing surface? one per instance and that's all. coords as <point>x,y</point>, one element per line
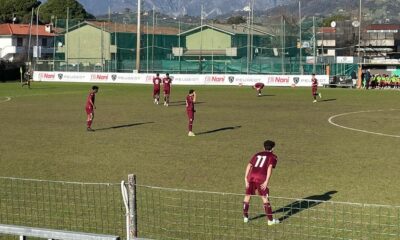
<point>43,136</point>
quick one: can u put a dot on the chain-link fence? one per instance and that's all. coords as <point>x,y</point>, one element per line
<point>79,207</point>
<point>180,43</point>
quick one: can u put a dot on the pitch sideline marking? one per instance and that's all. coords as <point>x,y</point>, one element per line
<point>330,120</point>
<point>7,100</point>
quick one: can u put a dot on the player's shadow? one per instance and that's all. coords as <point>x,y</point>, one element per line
<point>219,130</point>
<point>300,205</point>
<point>328,100</point>
<point>267,95</point>
<point>181,103</point>
<point>123,126</point>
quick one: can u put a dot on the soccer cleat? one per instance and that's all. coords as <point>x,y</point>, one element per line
<point>273,222</point>
<point>155,101</point>
<point>314,101</point>
<point>319,95</point>
<point>191,134</point>
<point>90,129</point>
<point>245,219</point>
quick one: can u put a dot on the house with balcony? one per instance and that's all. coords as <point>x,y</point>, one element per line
<point>17,40</point>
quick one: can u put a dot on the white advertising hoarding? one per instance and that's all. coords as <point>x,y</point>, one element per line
<point>181,79</point>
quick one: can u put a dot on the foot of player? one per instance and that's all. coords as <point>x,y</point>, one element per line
<point>90,129</point>
<point>191,134</point>
<point>270,223</point>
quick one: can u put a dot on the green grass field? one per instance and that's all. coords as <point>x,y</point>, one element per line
<point>43,136</point>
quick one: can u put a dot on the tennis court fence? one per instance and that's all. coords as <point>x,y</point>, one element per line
<point>165,213</point>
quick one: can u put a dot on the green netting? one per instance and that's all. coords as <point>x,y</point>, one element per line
<point>274,53</point>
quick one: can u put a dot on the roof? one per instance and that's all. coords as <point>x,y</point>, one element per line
<point>383,27</point>
<point>9,29</point>
<point>128,28</point>
<point>326,30</point>
<point>233,29</point>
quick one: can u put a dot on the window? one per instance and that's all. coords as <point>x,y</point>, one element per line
<point>44,42</point>
<point>19,42</point>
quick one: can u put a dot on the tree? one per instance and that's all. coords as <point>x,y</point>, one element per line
<point>236,20</point>
<point>20,9</point>
<point>58,9</point>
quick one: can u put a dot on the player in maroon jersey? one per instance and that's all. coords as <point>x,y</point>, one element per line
<point>190,100</point>
<point>258,86</point>
<point>258,174</point>
<point>156,88</point>
<point>167,88</point>
<point>314,88</point>
<point>90,107</point>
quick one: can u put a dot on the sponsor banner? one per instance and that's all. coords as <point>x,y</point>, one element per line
<point>345,59</point>
<point>181,79</point>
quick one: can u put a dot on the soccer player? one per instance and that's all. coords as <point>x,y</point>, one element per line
<point>90,107</point>
<point>190,100</point>
<point>314,88</point>
<point>167,88</point>
<point>258,174</point>
<point>258,86</point>
<point>27,78</point>
<point>156,88</point>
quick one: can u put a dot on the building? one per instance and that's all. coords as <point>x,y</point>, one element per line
<point>221,41</point>
<point>381,41</point>
<point>106,46</point>
<point>17,40</point>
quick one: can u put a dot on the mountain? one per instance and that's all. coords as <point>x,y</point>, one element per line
<point>177,7</point>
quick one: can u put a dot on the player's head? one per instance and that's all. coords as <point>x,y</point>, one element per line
<point>191,91</point>
<point>167,74</point>
<point>313,74</point>
<point>95,88</point>
<point>269,145</point>
<point>157,74</point>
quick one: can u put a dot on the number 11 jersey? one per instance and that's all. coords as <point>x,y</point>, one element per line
<point>260,163</point>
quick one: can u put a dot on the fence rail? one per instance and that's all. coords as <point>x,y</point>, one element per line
<point>164,213</point>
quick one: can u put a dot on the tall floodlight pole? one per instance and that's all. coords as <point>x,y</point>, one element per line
<point>248,38</point>
<point>251,26</point>
<point>301,44</point>
<point>314,46</point>
<point>30,39</point>
<point>138,37</point>
<point>359,36</point>
<point>37,34</point>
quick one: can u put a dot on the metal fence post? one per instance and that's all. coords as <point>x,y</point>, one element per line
<point>132,206</point>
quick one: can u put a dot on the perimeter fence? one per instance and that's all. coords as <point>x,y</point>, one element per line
<point>71,206</point>
<point>164,213</point>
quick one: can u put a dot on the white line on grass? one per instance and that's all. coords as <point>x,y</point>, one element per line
<point>330,120</point>
<point>7,100</point>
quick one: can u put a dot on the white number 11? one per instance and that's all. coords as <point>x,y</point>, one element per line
<point>260,161</point>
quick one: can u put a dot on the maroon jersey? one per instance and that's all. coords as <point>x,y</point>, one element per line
<point>259,85</point>
<point>260,163</point>
<point>314,82</point>
<point>90,100</point>
<point>167,83</point>
<point>189,103</point>
<point>156,82</point>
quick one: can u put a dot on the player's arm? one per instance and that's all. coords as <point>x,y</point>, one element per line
<point>269,172</point>
<point>246,176</point>
<point>194,97</point>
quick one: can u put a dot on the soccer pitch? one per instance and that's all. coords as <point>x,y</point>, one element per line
<point>43,136</point>
<point>345,145</point>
